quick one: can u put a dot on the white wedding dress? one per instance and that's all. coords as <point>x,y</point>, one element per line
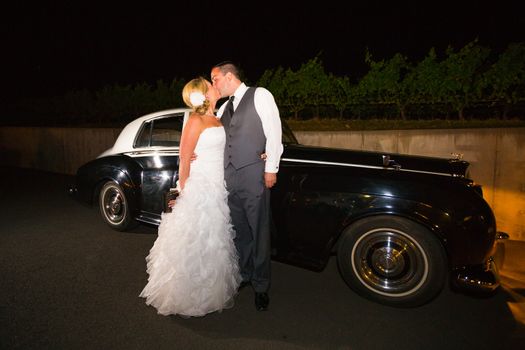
<point>192,266</point>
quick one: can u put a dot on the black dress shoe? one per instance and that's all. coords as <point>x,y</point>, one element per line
<point>261,301</point>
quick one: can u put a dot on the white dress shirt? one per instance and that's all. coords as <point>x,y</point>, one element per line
<point>271,123</point>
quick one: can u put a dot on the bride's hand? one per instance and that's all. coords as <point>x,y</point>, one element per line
<point>171,203</point>
<point>263,156</point>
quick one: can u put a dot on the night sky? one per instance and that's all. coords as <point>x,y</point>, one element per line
<point>52,47</point>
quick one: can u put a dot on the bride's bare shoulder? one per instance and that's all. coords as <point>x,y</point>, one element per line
<point>194,124</point>
<point>195,119</point>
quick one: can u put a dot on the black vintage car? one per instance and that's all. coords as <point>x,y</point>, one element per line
<point>402,226</point>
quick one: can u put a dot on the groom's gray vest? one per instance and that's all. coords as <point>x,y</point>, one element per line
<point>245,140</point>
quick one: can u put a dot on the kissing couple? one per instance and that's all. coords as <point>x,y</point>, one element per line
<point>216,240</point>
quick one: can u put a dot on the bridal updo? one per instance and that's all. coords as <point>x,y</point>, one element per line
<point>194,95</point>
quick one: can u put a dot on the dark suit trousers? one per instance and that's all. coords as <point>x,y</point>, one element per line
<point>249,202</point>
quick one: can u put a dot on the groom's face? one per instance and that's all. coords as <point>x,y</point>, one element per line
<point>220,81</point>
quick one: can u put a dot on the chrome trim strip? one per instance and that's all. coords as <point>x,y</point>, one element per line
<point>361,166</point>
<point>293,160</point>
<point>151,153</point>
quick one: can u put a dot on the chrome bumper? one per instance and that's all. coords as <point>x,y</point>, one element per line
<point>483,278</point>
<point>478,278</point>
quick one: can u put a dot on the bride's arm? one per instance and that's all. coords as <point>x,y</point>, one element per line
<point>188,142</point>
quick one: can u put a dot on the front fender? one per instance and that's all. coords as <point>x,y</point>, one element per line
<point>466,232</point>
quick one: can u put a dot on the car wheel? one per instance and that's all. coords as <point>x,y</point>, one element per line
<point>114,207</point>
<point>392,260</point>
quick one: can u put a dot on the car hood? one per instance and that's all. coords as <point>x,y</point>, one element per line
<point>386,160</point>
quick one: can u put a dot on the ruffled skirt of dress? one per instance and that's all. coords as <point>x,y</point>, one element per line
<point>193,265</point>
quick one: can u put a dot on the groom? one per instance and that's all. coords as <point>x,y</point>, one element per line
<point>253,127</point>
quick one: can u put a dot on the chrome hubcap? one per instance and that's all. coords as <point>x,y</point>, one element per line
<point>389,262</point>
<point>114,205</point>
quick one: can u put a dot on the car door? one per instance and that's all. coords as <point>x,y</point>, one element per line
<point>159,141</point>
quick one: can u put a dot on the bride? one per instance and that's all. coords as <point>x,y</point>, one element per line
<point>192,266</point>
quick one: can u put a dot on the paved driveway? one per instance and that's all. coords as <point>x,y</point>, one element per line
<point>70,282</point>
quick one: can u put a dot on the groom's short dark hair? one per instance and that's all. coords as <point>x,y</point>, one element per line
<point>229,66</point>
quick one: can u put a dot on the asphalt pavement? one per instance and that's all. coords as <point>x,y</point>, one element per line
<point>70,282</point>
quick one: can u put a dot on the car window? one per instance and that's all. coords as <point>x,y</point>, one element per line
<point>160,132</point>
<point>144,135</point>
<point>166,132</point>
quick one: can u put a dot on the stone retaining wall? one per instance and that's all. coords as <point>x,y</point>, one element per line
<point>497,156</point>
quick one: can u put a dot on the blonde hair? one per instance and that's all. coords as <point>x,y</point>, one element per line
<point>196,85</point>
